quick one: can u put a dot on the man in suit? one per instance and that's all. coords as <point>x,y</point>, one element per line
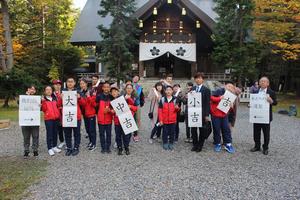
<point>265,128</point>
<point>198,139</point>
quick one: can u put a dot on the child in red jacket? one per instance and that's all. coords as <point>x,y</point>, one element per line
<point>50,107</point>
<point>89,113</point>
<point>73,150</point>
<point>105,116</point>
<point>167,112</point>
<point>121,138</point>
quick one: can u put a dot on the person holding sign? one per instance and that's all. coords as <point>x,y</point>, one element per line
<point>69,117</point>
<point>30,131</point>
<point>219,115</point>
<point>105,118</point>
<point>50,107</point>
<point>167,112</point>
<point>198,139</point>
<point>123,139</point>
<point>264,126</point>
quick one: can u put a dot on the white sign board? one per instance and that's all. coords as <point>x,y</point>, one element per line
<point>69,118</point>
<point>226,102</point>
<point>259,109</point>
<point>194,109</point>
<point>120,105</point>
<point>124,114</point>
<point>29,110</point>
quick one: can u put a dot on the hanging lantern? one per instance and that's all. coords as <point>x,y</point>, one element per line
<point>169,1</point>
<point>154,25</point>
<point>198,25</point>
<point>181,25</point>
<point>155,11</point>
<point>183,11</point>
<point>141,24</point>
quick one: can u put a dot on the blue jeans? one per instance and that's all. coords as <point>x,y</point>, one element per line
<point>105,136</point>
<point>168,133</point>
<point>51,132</point>
<point>77,137</point>
<point>121,138</point>
<point>221,124</point>
<point>90,126</point>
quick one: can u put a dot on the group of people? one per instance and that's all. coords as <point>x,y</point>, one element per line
<point>168,107</point>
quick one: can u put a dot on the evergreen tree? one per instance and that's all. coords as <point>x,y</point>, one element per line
<point>234,48</point>
<point>120,38</point>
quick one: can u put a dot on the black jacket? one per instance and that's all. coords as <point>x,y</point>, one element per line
<point>205,92</point>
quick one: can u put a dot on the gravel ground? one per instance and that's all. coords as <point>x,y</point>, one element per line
<point>151,173</point>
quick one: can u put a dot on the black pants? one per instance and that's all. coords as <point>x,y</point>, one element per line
<point>168,133</point>
<point>187,128</point>
<point>60,132</point>
<point>121,138</point>
<point>156,130</point>
<point>198,139</point>
<point>77,137</point>
<point>105,136</point>
<point>90,126</point>
<point>51,132</point>
<point>265,128</point>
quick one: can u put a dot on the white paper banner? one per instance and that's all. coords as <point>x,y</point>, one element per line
<point>124,114</point>
<point>185,51</point>
<point>225,103</point>
<point>29,110</point>
<point>120,105</point>
<point>259,109</point>
<point>69,118</point>
<point>194,109</point>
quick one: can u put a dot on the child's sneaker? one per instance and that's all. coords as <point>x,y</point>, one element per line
<point>154,137</point>
<point>61,145</point>
<point>108,151</point>
<point>171,147</point>
<point>56,150</point>
<point>218,147</point>
<point>92,148</point>
<point>187,140</point>
<point>127,151</point>
<point>35,153</point>
<point>165,146</point>
<point>89,145</point>
<point>120,150</point>
<point>68,152</point>
<point>229,148</point>
<point>51,152</point>
<point>26,154</point>
<point>115,145</point>
<point>150,141</point>
<point>75,152</point>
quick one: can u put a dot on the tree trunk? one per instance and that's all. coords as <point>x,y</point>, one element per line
<point>2,58</point>
<point>8,39</point>
<point>5,105</point>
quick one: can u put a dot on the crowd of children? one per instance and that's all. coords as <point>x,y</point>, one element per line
<point>168,107</point>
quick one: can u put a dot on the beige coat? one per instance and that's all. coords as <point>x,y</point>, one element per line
<point>154,98</point>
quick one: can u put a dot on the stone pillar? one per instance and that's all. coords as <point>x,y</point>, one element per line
<point>141,69</point>
<point>194,69</point>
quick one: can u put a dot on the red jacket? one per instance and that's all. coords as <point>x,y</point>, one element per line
<point>50,109</point>
<point>58,97</point>
<point>214,111</point>
<point>133,109</point>
<point>103,101</point>
<point>167,112</point>
<point>79,103</point>
<point>89,106</point>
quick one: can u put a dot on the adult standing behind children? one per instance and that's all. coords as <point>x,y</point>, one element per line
<point>265,128</point>
<point>30,131</point>
<point>199,138</point>
<point>139,101</point>
<point>154,96</point>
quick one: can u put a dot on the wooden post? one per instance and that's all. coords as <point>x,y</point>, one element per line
<point>141,69</point>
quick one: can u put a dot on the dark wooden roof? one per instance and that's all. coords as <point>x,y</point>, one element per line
<point>87,33</point>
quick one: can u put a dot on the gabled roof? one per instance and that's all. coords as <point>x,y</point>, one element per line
<point>87,33</point>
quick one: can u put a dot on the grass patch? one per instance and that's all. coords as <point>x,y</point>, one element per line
<point>17,174</point>
<point>285,100</point>
<point>12,112</point>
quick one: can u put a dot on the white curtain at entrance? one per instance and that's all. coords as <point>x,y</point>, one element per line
<point>185,51</point>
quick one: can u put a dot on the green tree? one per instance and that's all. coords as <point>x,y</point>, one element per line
<point>234,48</point>
<point>53,72</point>
<point>118,39</point>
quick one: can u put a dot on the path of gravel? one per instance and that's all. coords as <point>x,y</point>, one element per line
<point>151,173</point>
